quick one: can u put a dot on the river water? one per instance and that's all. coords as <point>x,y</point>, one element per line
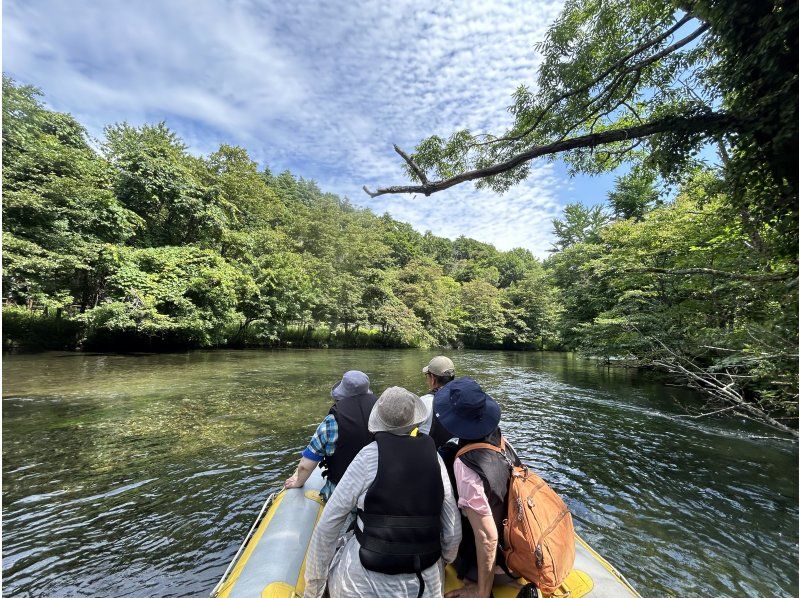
<point>139,475</point>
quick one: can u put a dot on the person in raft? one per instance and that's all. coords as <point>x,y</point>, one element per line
<point>438,373</point>
<point>407,523</point>
<point>341,434</point>
<point>481,478</point>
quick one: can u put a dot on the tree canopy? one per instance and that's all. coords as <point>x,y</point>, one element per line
<point>647,82</point>
<point>140,244</point>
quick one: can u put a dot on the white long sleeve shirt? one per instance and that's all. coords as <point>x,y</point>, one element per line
<point>338,561</point>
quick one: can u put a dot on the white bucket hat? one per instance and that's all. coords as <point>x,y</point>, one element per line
<point>397,411</point>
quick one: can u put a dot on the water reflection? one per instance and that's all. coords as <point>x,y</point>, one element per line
<point>138,475</point>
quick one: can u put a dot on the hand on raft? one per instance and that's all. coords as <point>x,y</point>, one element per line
<point>470,590</point>
<point>292,482</point>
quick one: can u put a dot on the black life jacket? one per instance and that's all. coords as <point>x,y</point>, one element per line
<point>495,473</point>
<point>401,520</point>
<point>352,417</point>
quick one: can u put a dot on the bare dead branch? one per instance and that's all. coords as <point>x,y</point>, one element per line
<point>412,165</point>
<point>708,413</point>
<point>711,385</point>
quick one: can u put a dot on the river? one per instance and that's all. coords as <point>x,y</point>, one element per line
<point>138,475</point>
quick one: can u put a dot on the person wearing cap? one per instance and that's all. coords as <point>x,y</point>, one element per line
<point>339,436</point>
<point>439,371</point>
<point>407,521</point>
<point>481,478</point>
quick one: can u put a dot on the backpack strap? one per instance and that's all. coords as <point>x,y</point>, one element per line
<point>483,445</point>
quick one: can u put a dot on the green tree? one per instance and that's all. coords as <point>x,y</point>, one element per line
<point>58,209</point>
<point>634,194</point>
<point>533,311</point>
<point>240,185</point>
<point>484,319</point>
<point>654,81</point>
<point>580,225</point>
<point>156,179</point>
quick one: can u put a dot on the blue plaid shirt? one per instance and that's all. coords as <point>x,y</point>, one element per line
<point>321,445</point>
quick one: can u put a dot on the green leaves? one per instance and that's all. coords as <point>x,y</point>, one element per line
<point>689,277</point>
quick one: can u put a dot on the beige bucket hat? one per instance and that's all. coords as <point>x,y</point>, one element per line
<point>397,411</point>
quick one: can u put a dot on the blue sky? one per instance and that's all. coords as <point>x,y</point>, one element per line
<point>322,89</point>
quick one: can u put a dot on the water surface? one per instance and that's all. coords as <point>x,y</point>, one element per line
<point>140,475</point>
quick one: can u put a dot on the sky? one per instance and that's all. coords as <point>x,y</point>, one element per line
<point>321,89</point>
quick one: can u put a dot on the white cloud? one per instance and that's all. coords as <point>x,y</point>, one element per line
<point>322,88</point>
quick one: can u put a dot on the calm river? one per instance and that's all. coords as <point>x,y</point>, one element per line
<point>139,475</point>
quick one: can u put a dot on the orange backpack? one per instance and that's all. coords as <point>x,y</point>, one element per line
<point>538,537</point>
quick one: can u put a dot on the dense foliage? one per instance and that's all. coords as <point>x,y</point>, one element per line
<point>137,244</point>
<point>671,289</point>
<point>703,286</point>
<point>140,245</point>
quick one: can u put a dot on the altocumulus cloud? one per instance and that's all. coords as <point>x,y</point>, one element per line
<point>323,89</point>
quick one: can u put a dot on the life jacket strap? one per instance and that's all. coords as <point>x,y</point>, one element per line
<point>395,521</point>
<point>418,572</point>
<point>395,548</point>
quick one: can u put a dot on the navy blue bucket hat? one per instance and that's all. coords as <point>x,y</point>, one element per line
<point>465,410</point>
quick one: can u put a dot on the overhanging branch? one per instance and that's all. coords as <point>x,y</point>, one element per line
<point>706,123</point>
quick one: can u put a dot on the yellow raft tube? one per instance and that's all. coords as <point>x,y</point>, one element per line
<point>271,561</point>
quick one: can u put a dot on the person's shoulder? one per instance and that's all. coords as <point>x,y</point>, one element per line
<point>367,454</point>
<point>329,421</point>
<point>369,449</point>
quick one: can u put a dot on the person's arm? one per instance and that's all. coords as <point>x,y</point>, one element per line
<point>322,444</point>
<point>485,531</point>
<point>485,548</point>
<point>302,473</point>
<point>474,504</point>
<point>355,481</point>
<point>451,519</point>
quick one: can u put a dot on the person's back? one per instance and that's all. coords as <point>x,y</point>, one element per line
<point>352,416</point>
<point>407,519</point>
<point>402,507</point>
<point>480,478</point>
<point>339,436</point>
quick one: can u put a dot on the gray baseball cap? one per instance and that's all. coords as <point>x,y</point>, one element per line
<point>440,366</point>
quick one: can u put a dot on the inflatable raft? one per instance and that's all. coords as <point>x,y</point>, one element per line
<point>271,561</point>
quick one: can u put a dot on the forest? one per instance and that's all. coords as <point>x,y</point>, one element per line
<point>688,266</point>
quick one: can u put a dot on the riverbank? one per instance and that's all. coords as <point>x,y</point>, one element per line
<point>37,331</point>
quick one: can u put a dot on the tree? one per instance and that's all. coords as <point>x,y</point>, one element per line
<point>533,311</point>
<point>58,210</point>
<point>580,225</point>
<point>240,186</point>
<point>484,320</point>
<point>681,290</point>
<point>634,194</point>
<point>434,299</point>
<point>633,80</point>
<point>157,179</point>
<point>166,297</point>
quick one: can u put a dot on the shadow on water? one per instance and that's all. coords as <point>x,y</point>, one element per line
<point>139,475</point>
